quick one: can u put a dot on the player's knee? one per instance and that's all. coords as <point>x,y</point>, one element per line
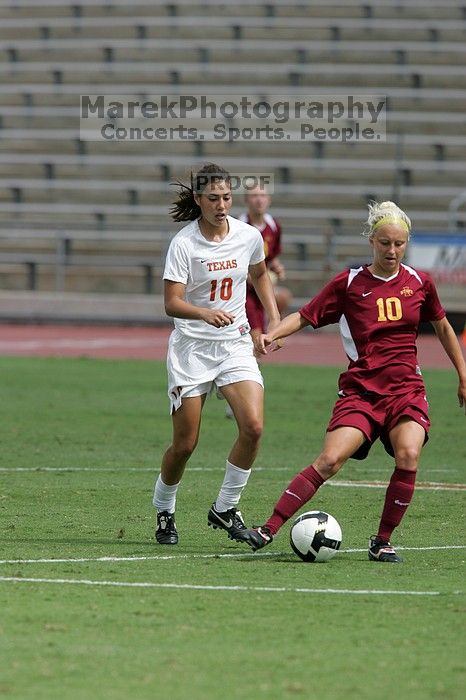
<point>252,431</point>
<point>328,464</point>
<point>184,448</point>
<point>407,457</point>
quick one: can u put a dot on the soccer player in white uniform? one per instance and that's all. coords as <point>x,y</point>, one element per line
<point>205,274</point>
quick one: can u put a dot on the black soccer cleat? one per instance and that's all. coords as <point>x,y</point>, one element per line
<point>380,550</point>
<point>165,532</point>
<point>229,520</point>
<point>257,537</point>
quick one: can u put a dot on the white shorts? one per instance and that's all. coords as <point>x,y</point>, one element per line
<point>196,367</point>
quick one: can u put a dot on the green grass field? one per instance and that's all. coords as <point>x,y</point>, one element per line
<point>81,445</point>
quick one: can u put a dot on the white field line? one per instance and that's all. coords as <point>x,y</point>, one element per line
<point>204,587</point>
<point>166,557</point>
<point>376,470</point>
<point>420,486</point>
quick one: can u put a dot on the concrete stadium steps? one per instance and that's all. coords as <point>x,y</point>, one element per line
<point>108,215</point>
<point>50,141</point>
<point>286,168</point>
<point>269,73</point>
<point>45,245</point>
<point>278,8</point>
<point>95,245</point>
<point>338,184</point>
<point>93,252</point>
<point>52,51</point>
<point>339,8</point>
<point>315,193</point>
<point>86,279</point>
<point>234,26</point>
<point>39,307</point>
<point>399,98</point>
<point>300,31</point>
<point>411,146</point>
<point>406,128</point>
<point>398,52</point>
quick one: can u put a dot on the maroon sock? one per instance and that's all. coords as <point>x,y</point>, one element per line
<point>397,499</point>
<point>299,491</point>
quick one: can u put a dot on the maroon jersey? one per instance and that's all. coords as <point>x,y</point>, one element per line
<point>271,233</point>
<point>379,320</point>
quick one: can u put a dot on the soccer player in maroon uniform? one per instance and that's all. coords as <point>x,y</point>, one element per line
<point>257,202</point>
<point>381,394</point>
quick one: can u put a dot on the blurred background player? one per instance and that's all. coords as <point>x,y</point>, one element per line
<point>258,202</point>
<point>205,274</point>
<point>381,395</point>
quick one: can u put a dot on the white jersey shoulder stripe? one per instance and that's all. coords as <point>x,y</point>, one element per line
<point>268,218</point>
<point>412,271</point>
<point>352,274</point>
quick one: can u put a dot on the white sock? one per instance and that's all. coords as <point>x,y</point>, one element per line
<point>234,481</point>
<point>164,496</point>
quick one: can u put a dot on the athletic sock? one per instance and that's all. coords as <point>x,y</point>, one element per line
<point>234,481</point>
<point>397,499</point>
<point>300,490</point>
<point>165,496</point>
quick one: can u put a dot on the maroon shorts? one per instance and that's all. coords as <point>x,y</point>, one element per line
<point>255,311</point>
<point>375,416</point>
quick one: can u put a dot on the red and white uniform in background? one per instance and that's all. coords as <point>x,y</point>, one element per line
<point>271,233</point>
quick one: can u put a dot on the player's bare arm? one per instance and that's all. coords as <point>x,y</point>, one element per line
<point>289,325</point>
<point>177,307</point>
<point>447,337</point>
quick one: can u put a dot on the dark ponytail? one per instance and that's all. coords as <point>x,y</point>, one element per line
<point>185,207</point>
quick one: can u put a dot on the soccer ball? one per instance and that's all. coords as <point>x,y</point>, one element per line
<point>315,536</point>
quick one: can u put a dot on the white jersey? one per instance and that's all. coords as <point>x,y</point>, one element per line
<point>214,274</point>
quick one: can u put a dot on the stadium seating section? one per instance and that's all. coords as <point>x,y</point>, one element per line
<point>92,216</point>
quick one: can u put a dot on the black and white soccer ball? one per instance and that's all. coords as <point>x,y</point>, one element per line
<point>315,536</point>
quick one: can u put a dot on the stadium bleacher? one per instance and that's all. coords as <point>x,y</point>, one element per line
<point>92,216</point>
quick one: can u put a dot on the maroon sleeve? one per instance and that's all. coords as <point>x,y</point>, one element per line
<point>327,306</point>
<point>432,309</point>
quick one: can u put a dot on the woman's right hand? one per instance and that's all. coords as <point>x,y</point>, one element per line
<point>217,318</point>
